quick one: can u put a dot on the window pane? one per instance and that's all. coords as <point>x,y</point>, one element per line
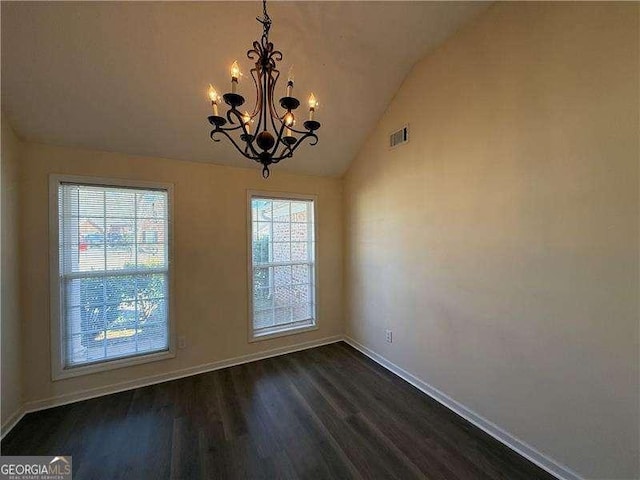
<point>152,255</point>
<point>150,230</point>
<point>120,202</point>
<point>261,210</point>
<point>103,230</point>
<point>300,232</point>
<point>120,258</point>
<point>151,286</point>
<point>301,294</point>
<point>263,319</point>
<point>151,204</point>
<point>120,231</point>
<point>261,244</point>
<point>281,252</point>
<point>151,312</point>
<point>281,211</point>
<point>121,341</point>
<point>152,338</point>
<point>301,312</point>
<point>300,251</point>
<point>282,316</point>
<point>282,259</point>
<point>281,232</point>
<point>262,277</point>
<point>300,274</point>
<point>262,299</point>
<point>282,275</point>
<point>90,229</point>
<point>283,296</point>
<point>113,314</point>
<point>91,202</point>
<point>300,211</point>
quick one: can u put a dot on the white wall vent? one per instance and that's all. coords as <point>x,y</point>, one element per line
<point>399,137</point>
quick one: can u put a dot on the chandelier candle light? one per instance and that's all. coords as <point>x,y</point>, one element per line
<point>264,147</point>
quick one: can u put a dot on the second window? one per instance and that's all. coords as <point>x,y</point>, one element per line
<point>282,264</point>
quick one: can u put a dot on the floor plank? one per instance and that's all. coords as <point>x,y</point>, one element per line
<point>327,412</point>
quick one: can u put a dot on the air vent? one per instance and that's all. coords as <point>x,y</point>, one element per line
<point>399,137</point>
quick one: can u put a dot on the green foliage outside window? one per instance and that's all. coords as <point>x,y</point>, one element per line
<point>109,303</point>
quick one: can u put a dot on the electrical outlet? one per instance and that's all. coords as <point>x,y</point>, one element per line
<point>182,341</point>
<point>388,335</point>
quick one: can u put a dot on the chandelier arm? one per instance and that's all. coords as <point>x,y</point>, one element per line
<point>213,132</point>
<point>240,118</point>
<point>313,142</point>
<point>301,132</point>
<point>243,126</point>
<point>253,150</point>
<point>265,99</point>
<point>278,140</point>
<point>259,112</point>
<point>271,114</point>
<point>229,115</point>
<point>227,129</point>
<point>272,107</point>
<point>297,144</point>
<point>240,124</point>
<point>284,153</point>
<point>256,108</point>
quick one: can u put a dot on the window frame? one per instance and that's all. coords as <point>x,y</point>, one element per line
<point>58,370</point>
<point>286,329</point>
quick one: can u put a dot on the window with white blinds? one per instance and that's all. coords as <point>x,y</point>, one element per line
<point>283,296</point>
<point>113,273</point>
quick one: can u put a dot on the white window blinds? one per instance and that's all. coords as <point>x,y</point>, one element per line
<point>114,269</point>
<point>283,264</point>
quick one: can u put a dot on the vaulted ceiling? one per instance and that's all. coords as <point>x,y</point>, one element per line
<point>132,77</point>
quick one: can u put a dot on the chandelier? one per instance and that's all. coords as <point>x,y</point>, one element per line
<point>275,137</point>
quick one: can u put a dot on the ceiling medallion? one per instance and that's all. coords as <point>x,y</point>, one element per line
<point>275,137</point>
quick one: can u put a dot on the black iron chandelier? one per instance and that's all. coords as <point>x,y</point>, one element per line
<point>276,137</point>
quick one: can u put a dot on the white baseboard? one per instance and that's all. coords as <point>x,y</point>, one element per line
<point>11,422</point>
<point>527,451</point>
<point>59,400</point>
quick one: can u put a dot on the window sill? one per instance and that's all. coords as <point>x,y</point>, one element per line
<point>283,332</point>
<point>64,373</point>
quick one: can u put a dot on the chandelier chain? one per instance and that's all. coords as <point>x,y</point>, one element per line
<point>265,20</point>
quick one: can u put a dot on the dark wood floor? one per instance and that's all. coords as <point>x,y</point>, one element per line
<point>329,412</point>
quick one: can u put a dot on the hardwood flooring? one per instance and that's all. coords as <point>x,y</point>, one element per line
<point>328,412</point>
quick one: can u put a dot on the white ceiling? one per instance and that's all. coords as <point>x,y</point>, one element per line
<point>132,77</point>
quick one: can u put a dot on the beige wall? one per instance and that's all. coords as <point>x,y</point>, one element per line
<point>210,258</point>
<point>9,278</point>
<point>501,244</point>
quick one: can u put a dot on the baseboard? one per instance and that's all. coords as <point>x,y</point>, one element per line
<point>527,451</point>
<point>165,377</point>
<point>11,422</point>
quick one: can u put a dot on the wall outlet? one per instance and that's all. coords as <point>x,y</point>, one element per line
<point>388,335</point>
<point>182,341</point>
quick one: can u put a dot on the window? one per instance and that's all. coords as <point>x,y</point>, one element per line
<point>282,274</point>
<point>111,278</point>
